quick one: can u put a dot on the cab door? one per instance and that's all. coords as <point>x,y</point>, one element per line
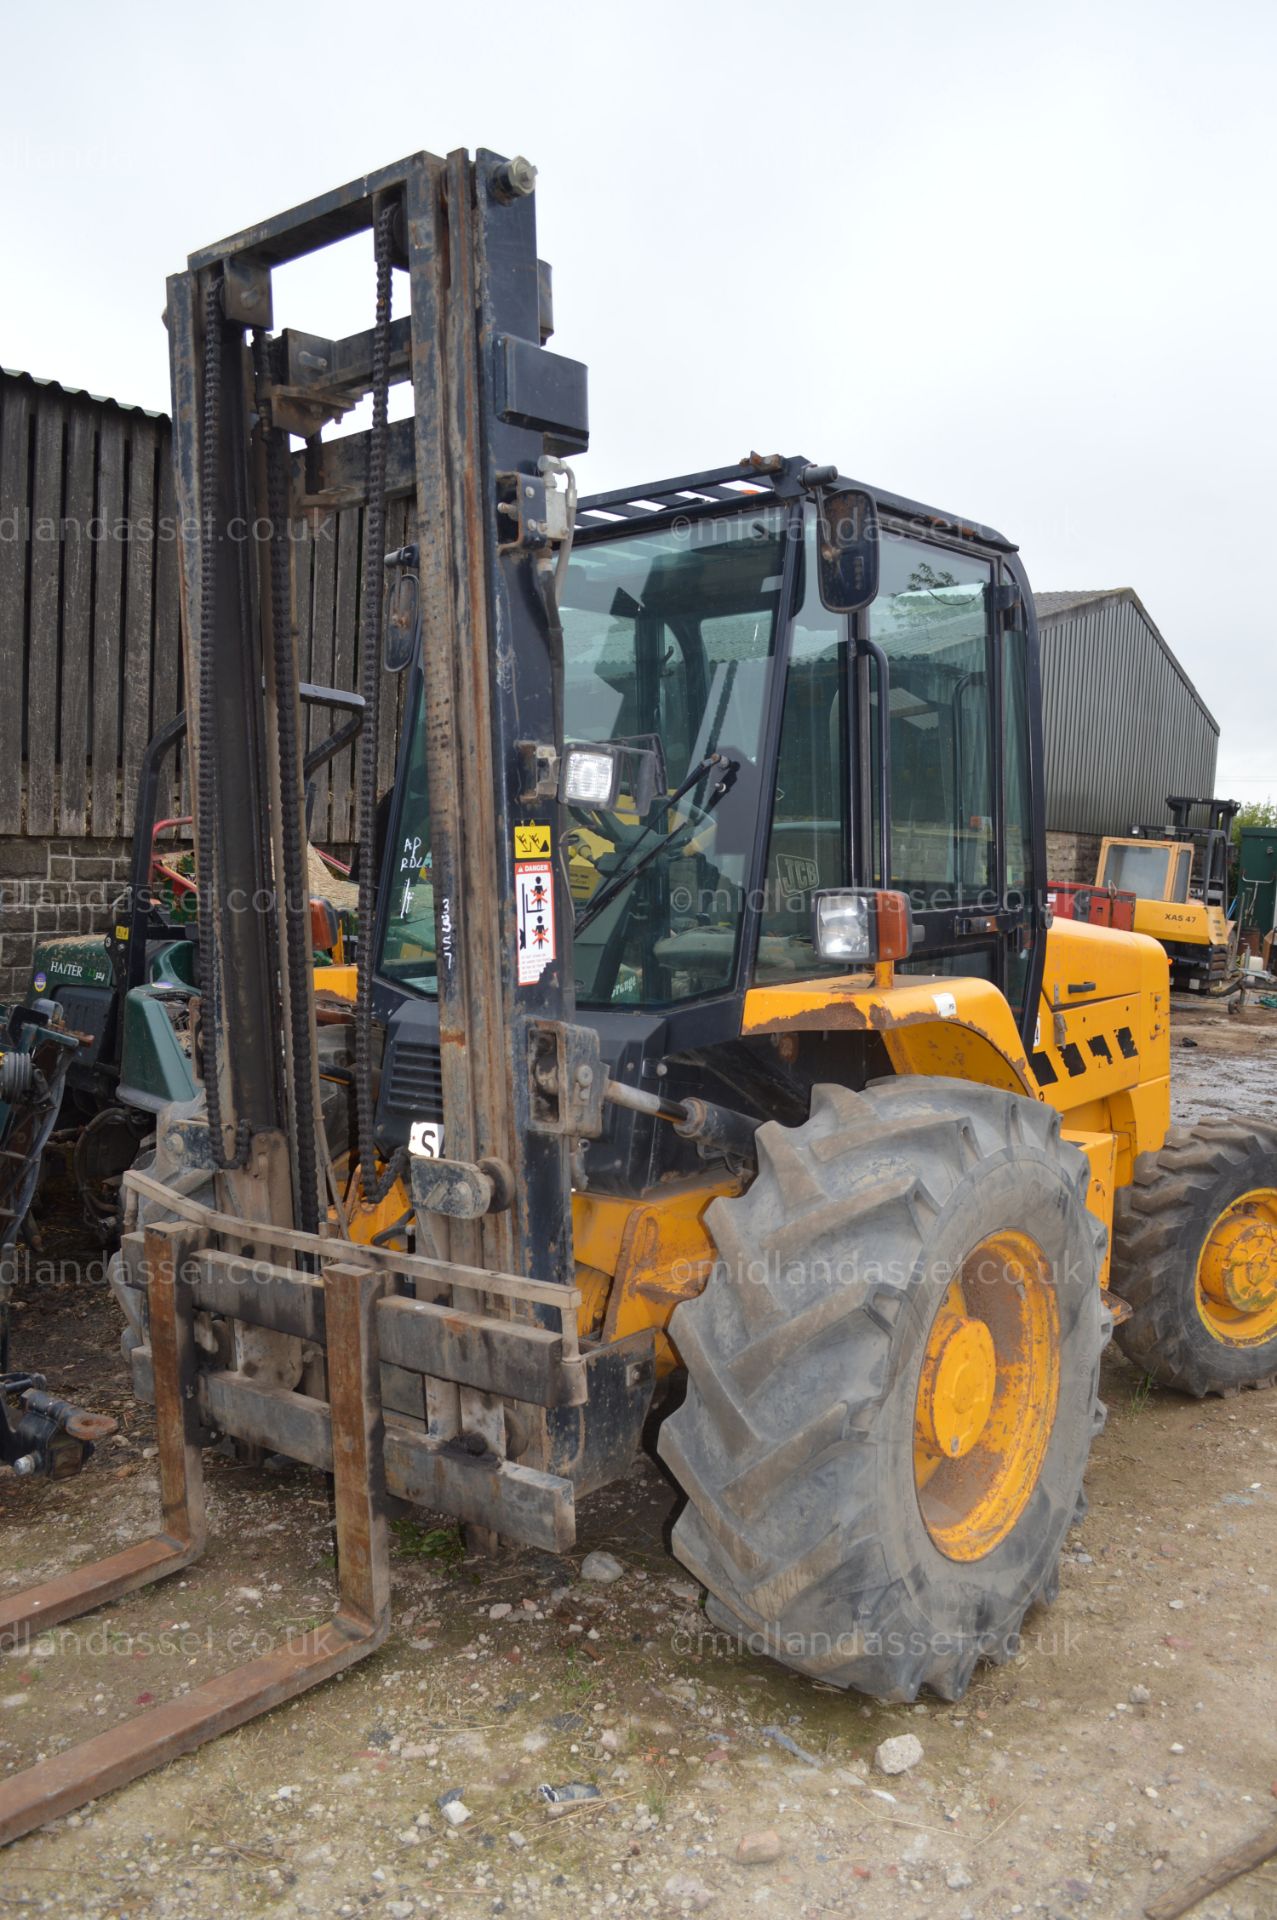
<point>960,749</point>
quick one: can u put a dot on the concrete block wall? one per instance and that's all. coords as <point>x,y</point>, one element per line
<point>52,887</point>
<point>1072,856</point>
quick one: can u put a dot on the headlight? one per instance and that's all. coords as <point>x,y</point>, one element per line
<point>590,776</point>
<point>844,928</point>
<point>861,927</point>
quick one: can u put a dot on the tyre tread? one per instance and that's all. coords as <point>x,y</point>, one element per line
<point>748,1444</point>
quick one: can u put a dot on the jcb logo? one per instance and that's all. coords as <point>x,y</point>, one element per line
<point>795,874</point>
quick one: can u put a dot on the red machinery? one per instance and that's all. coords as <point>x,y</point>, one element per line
<point>1102,906</point>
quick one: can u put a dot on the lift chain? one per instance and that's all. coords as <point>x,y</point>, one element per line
<point>296,881</point>
<point>373,1189</point>
<point>207,784</point>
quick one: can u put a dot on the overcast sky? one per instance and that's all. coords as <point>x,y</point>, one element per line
<point>1016,260</point>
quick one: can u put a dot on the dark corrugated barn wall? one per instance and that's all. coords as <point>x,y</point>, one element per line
<point>90,645</point>
<point>1123,724</point>
<point>89,615</point>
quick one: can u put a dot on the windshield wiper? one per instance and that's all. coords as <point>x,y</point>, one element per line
<point>631,868</point>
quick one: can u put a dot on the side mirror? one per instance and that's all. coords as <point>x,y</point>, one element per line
<point>403,611</point>
<point>848,550</point>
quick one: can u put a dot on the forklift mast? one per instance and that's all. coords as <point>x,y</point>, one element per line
<point>1211,839</point>
<point>1214,839</point>
<point>480,461</point>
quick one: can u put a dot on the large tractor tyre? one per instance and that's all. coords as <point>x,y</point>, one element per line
<point>893,1381</point>
<point>1195,1255</point>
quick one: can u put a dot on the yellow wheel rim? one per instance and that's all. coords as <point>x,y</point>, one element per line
<point>1237,1271</point>
<point>987,1394</point>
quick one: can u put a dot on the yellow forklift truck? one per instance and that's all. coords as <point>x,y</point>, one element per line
<point>1179,876</point>
<point>706,1038</point>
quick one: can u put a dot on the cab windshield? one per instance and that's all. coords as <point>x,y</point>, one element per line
<point>670,637</point>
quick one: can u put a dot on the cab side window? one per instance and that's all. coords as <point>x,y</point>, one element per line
<point>931,618</point>
<point>808,848</point>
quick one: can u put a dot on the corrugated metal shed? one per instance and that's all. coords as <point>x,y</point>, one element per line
<point>1124,725</point>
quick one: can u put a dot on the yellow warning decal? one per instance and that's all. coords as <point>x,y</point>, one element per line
<point>121,933</point>
<point>531,843</point>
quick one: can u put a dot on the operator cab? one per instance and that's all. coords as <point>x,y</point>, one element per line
<point>697,642</point>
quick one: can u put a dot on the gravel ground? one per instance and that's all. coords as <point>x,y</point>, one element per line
<point>1132,1739</point>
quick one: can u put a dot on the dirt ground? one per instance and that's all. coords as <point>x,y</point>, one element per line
<point>1133,1738</point>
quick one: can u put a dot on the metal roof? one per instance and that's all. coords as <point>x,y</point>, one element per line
<point>80,393</point>
<point>1057,603</point>
<point>1062,607</point>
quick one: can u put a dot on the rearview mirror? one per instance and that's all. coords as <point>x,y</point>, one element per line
<point>402,634</point>
<point>848,546</point>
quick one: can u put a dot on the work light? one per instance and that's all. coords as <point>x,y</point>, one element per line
<point>861,926</point>
<point>590,776</point>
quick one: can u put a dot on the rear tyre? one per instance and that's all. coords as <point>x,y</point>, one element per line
<point>1195,1256</point>
<point>892,1385</point>
<point>108,1146</point>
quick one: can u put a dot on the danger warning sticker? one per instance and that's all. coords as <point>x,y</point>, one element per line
<point>534,893</point>
<point>532,843</point>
